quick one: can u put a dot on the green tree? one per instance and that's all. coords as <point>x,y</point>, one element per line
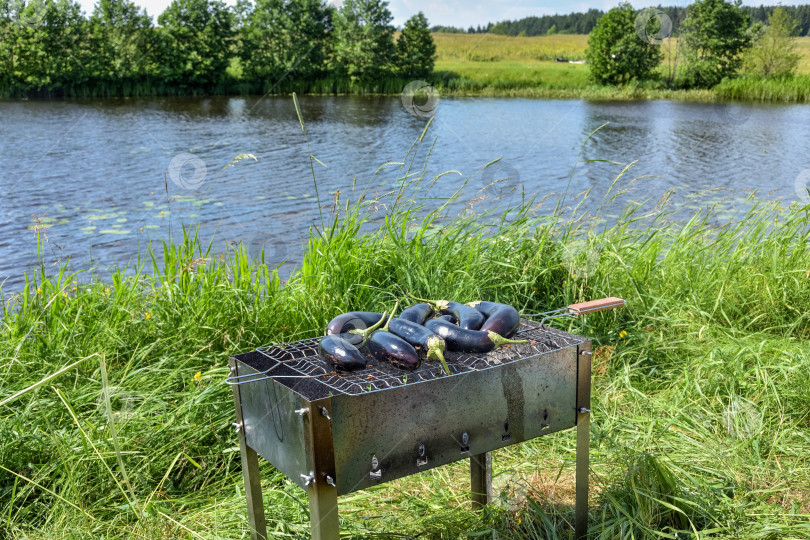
<point>8,36</point>
<point>416,51</point>
<point>364,39</point>
<point>713,38</point>
<point>120,33</point>
<point>500,28</point>
<point>773,53</point>
<point>285,40</point>
<point>50,50</point>
<point>195,49</point>
<point>617,54</point>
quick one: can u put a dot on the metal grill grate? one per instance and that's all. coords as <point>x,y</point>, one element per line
<point>300,360</point>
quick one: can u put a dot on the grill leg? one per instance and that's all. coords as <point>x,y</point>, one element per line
<point>583,438</point>
<point>481,479</point>
<point>583,441</point>
<point>250,472</point>
<point>323,512</point>
<point>253,491</point>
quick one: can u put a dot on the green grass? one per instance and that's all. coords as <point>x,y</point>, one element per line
<point>793,89</point>
<point>701,400</point>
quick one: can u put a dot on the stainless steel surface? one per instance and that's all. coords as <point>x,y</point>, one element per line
<point>273,425</point>
<point>481,479</point>
<point>337,433</point>
<point>583,408</point>
<point>495,407</point>
<point>323,506</point>
<point>323,512</point>
<point>250,474</point>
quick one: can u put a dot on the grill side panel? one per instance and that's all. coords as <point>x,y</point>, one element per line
<point>381,436</point>
<point>272,426</point>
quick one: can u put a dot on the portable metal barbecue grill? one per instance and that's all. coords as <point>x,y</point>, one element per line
<point>334,433</point>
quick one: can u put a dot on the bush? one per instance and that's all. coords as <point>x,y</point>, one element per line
<point>774,51</point>
<point>416,52</point>
<point>616,54</point>
<point>714,35</point>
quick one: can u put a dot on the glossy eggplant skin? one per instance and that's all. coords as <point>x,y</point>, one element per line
<point>353,320</point>
<point>502,319</point>
<point>417,313</point>
<point>340,353</point>
<point>415,334</point>
<point>468,317</point>
<point>448,318</point>
<point>460,339</point>
<point>386,347</point>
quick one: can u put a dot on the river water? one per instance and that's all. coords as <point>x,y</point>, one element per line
<point>101,178</point>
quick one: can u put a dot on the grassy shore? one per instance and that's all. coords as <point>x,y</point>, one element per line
<point>492,65</point>
<point>115,421</point>
<point>476,65</point>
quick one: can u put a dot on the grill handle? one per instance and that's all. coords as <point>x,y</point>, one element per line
<point>582,308</point>
<point>595,305</point>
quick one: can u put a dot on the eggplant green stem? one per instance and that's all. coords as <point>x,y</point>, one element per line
<point>499,340</point>
<point>436,351</point>
<point>364,333</point>
<point>385,328</point>
<point>438,304</point>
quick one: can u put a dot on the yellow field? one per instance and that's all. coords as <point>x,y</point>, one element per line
<point>494,48</point>
<point>803,48</point>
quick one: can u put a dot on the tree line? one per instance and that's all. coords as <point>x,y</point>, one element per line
<point>583,23</point>
<point>49,47</point>
<point>717,40</point>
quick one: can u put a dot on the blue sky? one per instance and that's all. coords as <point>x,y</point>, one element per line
<point>464,13</point>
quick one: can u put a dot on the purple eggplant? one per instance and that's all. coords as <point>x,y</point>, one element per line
<point>464,340</point>
<point>386,347</point>
<point>423,340</point>
<point>418,313</point>
<point>339,352</point>
<point>502,319</point>
<point>353,320</point>
<point>468,317</point>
